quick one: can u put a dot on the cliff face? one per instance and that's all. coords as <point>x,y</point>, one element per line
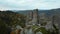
<point>33,15</point>
<point>43,18</point>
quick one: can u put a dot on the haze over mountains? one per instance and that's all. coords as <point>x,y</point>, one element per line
<point>48,12</point>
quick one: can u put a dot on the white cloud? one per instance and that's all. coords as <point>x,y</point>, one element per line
<point>29,4</point>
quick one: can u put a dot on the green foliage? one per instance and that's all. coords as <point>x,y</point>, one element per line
<point>34,27</point>
<point>41,29</point>
<point>8,18</point>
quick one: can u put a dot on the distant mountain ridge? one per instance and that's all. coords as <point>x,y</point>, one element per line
<point>48,12</point>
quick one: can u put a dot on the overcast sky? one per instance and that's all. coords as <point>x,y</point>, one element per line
<point>29,4</point>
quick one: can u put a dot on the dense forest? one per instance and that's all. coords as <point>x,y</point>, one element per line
<point>9,18</point>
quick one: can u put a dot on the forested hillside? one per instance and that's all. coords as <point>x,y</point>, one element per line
<point>9,18</point>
